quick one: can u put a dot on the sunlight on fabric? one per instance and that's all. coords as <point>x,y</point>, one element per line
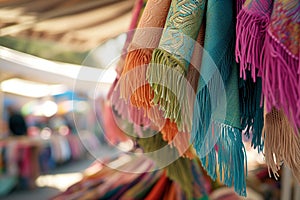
<point>59,181</point>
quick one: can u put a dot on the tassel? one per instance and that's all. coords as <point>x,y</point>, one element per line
<point>282,144</point>
<point>251,28</point>
<point>132,115</point>
<point>169,131</point>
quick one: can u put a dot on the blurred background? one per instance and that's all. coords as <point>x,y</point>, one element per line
<point>43,46</point>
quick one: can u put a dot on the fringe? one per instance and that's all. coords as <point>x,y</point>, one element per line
<point>170,92</point>
<point>227,155</point>
<point>218,145</point>
<point>282,144</point>
<point>137,88</point>
<point>134,74</point>
<point>133,84</point>
<point>250,35</point>
<point>131,114</point>
<point>281,80</point>
<point>251,110</point>
<point>142,97</point>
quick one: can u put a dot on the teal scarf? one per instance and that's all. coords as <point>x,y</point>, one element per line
<point>216,131</point>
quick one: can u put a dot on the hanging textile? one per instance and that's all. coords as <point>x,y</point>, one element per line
<point>170,61</point>
<point>145,39</point>
<point>132,114</point>
<point>170,132</point>
<point>216,133</point>
<point>250,59</point>
<point>268,40</point>
<point>267,47</point>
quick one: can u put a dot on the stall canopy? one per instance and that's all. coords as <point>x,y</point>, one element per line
<point>78,24</point>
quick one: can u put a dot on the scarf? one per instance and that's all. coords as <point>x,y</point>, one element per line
<point>170,61</point>
<point>136,15</point>
<point>216,130</point>
<point>127,112</point>
<point>146,38</point>
<point>170,131</point>
<point>268,45</point>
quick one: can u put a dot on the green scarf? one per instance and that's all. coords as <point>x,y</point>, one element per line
<point>170,61</point>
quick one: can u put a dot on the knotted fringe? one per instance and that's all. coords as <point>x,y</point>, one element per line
<point>119,104</point>
<point>251,110</point>
<point>281,80</point>
<point>169,91</point>
<point>282,145</point>
<point>223,152</point>
<point>250,35</point>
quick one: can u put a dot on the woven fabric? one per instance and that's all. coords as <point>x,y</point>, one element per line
<point>216,133</point>
<point>268,40</point>
<point>171,60</point>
